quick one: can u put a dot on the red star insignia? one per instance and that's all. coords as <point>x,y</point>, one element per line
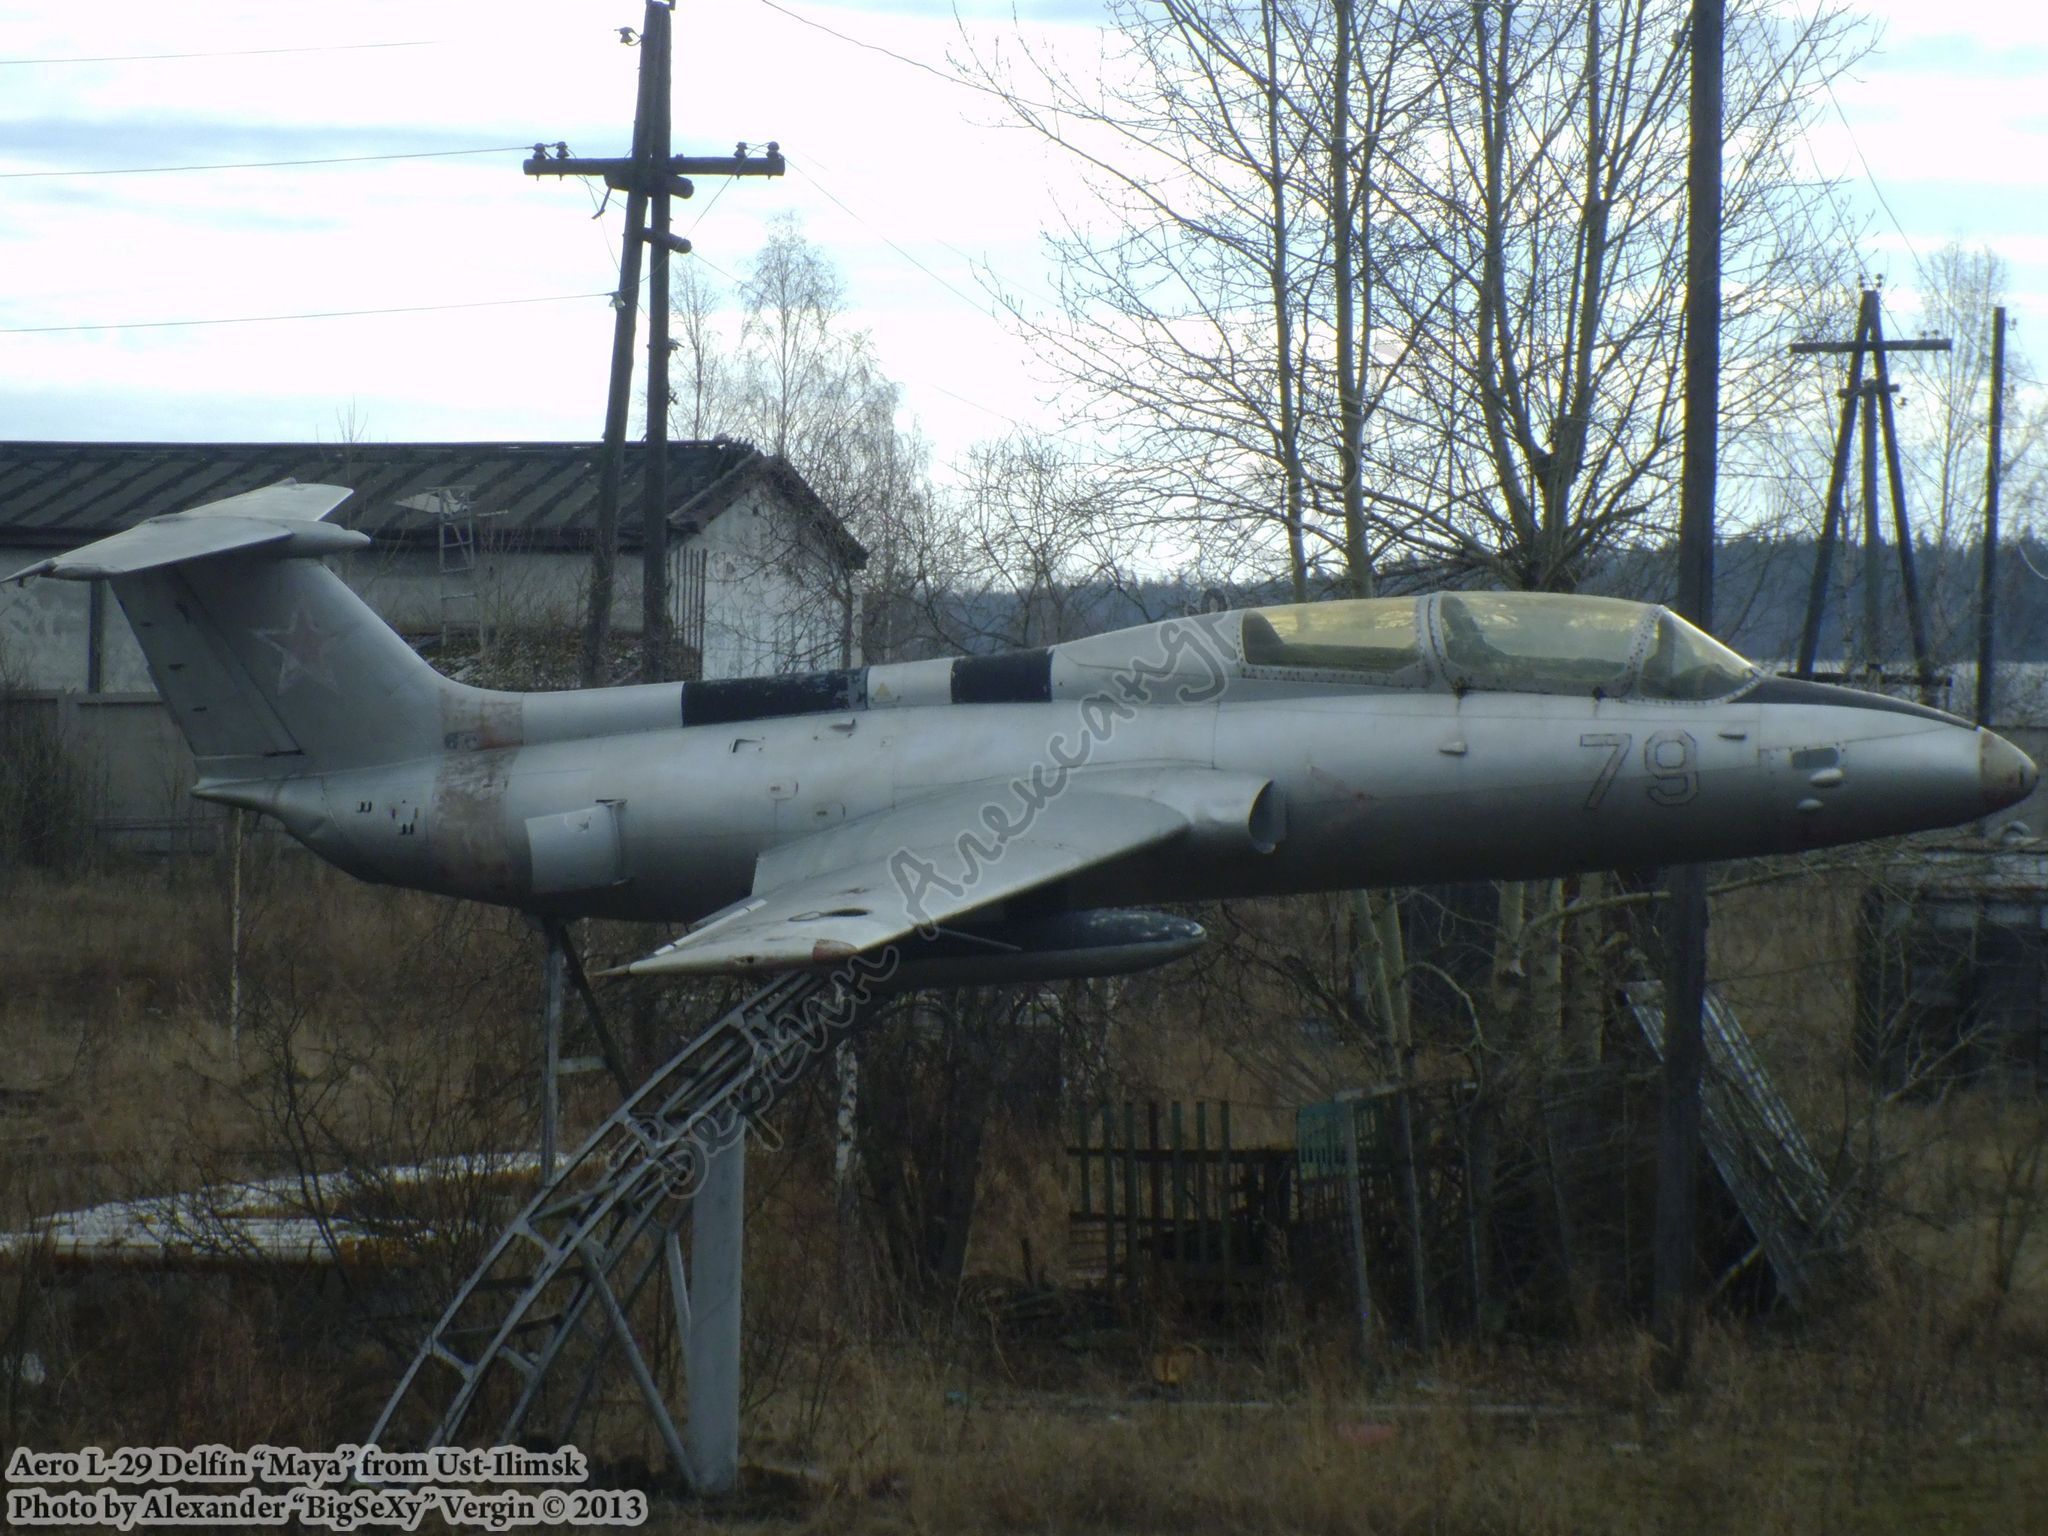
<point>302,648</point>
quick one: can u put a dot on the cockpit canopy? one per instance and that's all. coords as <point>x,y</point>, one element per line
<point>1496,641</point>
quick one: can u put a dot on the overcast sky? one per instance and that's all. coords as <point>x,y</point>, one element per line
<point>909,180</point>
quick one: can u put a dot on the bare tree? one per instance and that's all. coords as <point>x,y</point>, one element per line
<point>1547,220</point>
<point>777,364</point>
<point>1362,280</point>
<point>1942,426</point>
<point>704,396</point>
<point>1192,289</point>
<point>1031,549</point>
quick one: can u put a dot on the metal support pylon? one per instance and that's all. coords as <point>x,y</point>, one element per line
<point>529,1337</point>
<point>711,1334</point>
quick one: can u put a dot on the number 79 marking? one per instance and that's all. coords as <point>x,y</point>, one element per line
<point>1617,749</point>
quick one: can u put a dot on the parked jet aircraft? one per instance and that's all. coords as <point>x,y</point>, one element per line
<point>997,816</point>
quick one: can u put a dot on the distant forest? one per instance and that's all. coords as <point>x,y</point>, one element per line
<point>1761,589</point>
<point>1761,586</point>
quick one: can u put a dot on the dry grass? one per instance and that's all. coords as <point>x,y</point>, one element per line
<point>406,1023</point>
<point>1505,1445</point>
<point>377,1027</point>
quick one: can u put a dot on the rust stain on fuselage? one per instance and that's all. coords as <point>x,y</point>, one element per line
<point>479,721</point>
<point>1328,783</point>
<point>473,841</point>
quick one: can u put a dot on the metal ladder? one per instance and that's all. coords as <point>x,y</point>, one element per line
<point>455,558</point>
<point>1755,1142</point>
<point>528,1337</point>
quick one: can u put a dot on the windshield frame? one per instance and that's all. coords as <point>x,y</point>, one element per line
<point>1660,612</point>
<point>1627,684</point>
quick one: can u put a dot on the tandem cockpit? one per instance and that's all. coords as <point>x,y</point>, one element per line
<point>1516,642</point>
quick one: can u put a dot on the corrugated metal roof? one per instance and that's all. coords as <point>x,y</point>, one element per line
<point>546,493</point>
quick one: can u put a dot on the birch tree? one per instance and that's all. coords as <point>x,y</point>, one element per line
<point>779,364</point>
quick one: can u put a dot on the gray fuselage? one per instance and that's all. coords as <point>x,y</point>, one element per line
<point>655,802</point>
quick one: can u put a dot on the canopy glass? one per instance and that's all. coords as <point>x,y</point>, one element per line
<point>1687,663</point>
<point>1371,635</point>
<point>1520,642</point>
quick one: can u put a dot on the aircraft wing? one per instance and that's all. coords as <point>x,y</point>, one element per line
<point>865,884</point>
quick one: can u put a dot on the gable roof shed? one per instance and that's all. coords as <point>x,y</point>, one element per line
<point>60,494</point>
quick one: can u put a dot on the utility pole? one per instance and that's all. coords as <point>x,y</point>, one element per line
<point>1873,395</point>
<point>657,647</point>
<point>1987,595</point>
<point>707,1299</point>
<point>592,668</point>
<point>1873,546</point>
<point>1673,1261</point>
<point>649,176</point>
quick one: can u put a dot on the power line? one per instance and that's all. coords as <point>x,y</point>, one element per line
<point>705,212</point>
<point>259,165</point>
<point>698,258</point>
<point>318,314</point>
<point>1870,175</point>
<point>224,53</point>
<point>976,304</point>
<point>990,410</point>
<point>950,78</point>
<point>702,260</point>
<point>979,306</point>
<point>854,42</point>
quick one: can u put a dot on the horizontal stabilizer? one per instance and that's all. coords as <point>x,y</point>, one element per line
<point>279,519</point>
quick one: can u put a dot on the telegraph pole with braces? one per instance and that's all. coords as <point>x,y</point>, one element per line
<point>1874,396</point>
<point>652,179</point>
<point>707,1301</point>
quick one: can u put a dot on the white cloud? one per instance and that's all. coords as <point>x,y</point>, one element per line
<point>881,153</point>
<point>1948,114</point>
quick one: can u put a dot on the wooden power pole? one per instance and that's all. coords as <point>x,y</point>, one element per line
<point>652,179</point>
<point>1678,1116</point>
<point>1987,595</point>
<point>1873,395</point>
<point>708,1326</point>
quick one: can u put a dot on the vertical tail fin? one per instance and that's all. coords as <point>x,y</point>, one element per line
<point>270,665</point>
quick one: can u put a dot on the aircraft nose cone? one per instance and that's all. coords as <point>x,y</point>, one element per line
<point>2008,775</point>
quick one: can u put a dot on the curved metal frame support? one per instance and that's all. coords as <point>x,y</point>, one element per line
<point>522,1341</point>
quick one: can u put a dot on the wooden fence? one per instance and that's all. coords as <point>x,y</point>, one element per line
<point>1164,1202</point>
<point>1371,1210</point>
<point>1386,1214</point>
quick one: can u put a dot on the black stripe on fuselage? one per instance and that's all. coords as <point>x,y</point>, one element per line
<point>1794,690</point>
<point>1014,677</point>
<point>733,699</point>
